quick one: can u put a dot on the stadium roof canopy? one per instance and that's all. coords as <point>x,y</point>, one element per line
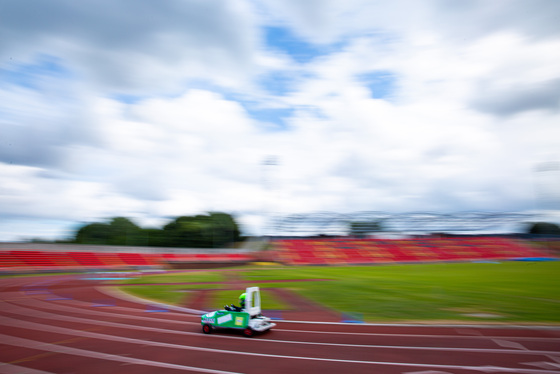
<point>329,223</point>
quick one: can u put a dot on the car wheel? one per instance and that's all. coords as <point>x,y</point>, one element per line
<point>207,329</point>
<point>248,332</point>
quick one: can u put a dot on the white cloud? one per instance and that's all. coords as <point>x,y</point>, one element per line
<point>332,20</point>
<point>463,126</point>
<point>136,47</point>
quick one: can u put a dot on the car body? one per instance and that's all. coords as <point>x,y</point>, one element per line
<point>249,319</point>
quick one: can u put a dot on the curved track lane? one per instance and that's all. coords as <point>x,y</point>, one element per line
<point>68,324</point>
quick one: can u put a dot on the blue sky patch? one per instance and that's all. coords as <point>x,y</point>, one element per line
<point>278,83</point>
<point>281,38</point>
<point>382,84</point>
<point>128,99</point>
<point>29,75</point>
<point>275,116</point>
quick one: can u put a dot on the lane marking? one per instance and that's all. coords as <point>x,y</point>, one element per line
<point>14,369</point>
<point>543,365</point>
<point>508,344</point>
<point>71,340</point>
<point>86,304</point>
<point>54,306</point>
<point>469,332</point>
<point>27,343</point>
<point>32,358</point>
<point>425,325</point>
<point>118,294</point>
<point>97,312</point>
<point>40,314</point>
<point>35,326</point>
<point>420,335</point>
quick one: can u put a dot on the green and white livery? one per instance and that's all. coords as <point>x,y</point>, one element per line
<point>249,319</point>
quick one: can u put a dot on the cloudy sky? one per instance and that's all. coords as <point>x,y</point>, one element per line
<point>156,109</point>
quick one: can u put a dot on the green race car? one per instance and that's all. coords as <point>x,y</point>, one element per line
<point>247,318</point>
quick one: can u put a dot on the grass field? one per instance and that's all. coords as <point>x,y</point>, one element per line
<point>195,276</point>
<point>495,292</point>
<point>166,294</point>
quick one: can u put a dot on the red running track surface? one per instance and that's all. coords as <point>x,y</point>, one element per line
<point>70,324</point>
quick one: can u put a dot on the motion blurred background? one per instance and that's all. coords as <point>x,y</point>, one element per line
<point>268,109</point>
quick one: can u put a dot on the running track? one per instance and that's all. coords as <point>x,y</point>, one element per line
<point>67,324</point>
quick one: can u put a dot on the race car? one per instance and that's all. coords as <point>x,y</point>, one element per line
<point>249,319</point>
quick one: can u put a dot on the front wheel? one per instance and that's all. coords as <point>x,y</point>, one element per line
<point>248,332</point>
<point>207,329</point>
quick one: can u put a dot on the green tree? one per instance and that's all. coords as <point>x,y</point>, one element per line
<point>544,228</point>
<point>119,231</point>
<point>224,229</point>
<point>153,237</point>
<point>94,233</point>
<point>210,230</point>
<point>203,231</point>
<point>122,231</point>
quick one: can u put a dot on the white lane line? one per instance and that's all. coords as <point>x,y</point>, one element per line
<point>543,365</point>
<point>110,291</point>
<point>118,294</point>
<point>467,329</point>
<point>178,311</point>
<point>85,304</point>
<point>469,332</point>
<point>11,340</point>
<point>428,326</point>
<point>16,369</point>
<point>27,343</point>
<point>529,338</point>
<point>88,304</point>
<point>508,344</point>
<point>63,307</point>
<point>35,313</point>
<point>105,313</point>
<point>113,291</point>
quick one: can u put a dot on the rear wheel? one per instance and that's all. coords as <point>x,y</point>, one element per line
<point>248,332</point>
<point>207,329</point>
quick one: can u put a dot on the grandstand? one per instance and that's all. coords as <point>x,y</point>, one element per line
<point>416,223</point>
<point>357,251</point>
<point>309,251</point>
<point>18,257</point>
<point>330,245</point>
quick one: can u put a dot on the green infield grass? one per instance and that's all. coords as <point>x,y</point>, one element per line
<point>484,292</point>
<point>165,294</point>
<point>177,277</point>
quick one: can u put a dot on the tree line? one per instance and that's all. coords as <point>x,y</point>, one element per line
<point>212,230</point>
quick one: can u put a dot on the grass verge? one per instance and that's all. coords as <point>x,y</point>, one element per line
<point>488,292</point>
<point>181,277</point>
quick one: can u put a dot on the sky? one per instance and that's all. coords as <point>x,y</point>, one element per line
<point>157,109</point>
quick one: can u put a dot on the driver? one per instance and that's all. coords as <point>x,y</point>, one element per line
<point>241,302</point>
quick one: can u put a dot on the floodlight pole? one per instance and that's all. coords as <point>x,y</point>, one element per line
<point>267,166</point>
